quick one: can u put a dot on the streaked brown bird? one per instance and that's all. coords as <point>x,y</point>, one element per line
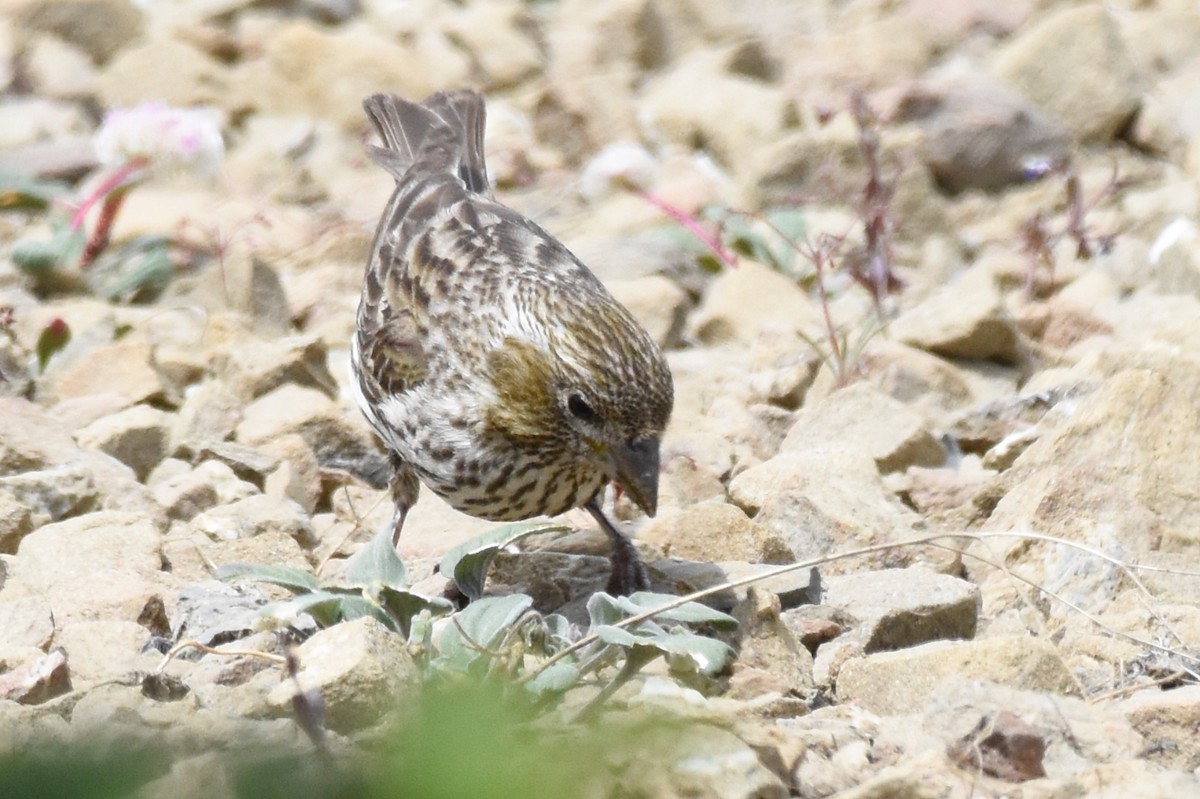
<point>494,366</point>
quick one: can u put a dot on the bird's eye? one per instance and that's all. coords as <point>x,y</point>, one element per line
<point>581,410</point>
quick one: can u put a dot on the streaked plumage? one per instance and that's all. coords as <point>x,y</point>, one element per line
<point>493,365</point>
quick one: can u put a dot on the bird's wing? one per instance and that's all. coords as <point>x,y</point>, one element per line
<point>435,152</point>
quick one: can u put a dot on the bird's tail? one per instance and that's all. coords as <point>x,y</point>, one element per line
<point>442,134</point>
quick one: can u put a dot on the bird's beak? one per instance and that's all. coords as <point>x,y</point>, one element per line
<point>637,471</point>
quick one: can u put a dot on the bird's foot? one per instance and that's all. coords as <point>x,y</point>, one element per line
<point>629,573</point>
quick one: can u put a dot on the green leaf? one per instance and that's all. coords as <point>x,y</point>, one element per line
<point>54,336</point>
<point>404,605</point>
<point>295,580</point>
<point>554,679</point>
<point>467,564</point>
<point>64,247</point>
<point>689,613</point>
<point>707,654</point>
<point>377,564</point>
<point>151,267</point>
<point>20,192</point>
<point>327,609</point>
<point>476,630</point>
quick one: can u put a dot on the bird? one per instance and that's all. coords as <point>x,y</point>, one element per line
<point>493,365</point>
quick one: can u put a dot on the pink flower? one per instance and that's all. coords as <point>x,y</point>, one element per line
<point>161,138</point>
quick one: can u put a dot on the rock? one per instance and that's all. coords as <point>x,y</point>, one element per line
<point>298,474</point>
<point>361,668</point>
<point>248,464</point>
<point>262,365</point>
<point>655,301</point>
<point>980,134</point>
<point>733,117</point>
<point>16,520</point>
<point>770,657</point>
<point>124,368</point>
<point>1165,719</point>
<point>966,319</point>
<point>981,429</point>
<point>100,565</point>
<point>1074,65</point>
<point>695,760</point>
<point>138,437</point>
<point>38,679</point>
<point>502,40</point>
<point>105,649</point>
<point>898,608</point>
<point>1073,483</point>
<point>309,70</point>
<point>98,27</point>
<point>165,70</point>
<point>254,516</point>
<point>30,438</point>
<point>935,492</point>
<point>27,621</point>
<point>60,70</point>
<point>307,412</point>
<point>862,417</point>
<point>210,413</point>
<point>1002,745</point>
<point>184,495</point>
<point>743,303</point>
<point>714,531</point>
<point>821,500</point>
<point>50,495</point>
<point>906,680</point>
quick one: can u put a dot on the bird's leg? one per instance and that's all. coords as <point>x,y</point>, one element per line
<point>405,490</point>
<point>628,572</point>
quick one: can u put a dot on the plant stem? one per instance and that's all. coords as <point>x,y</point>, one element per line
<point>692,225</point>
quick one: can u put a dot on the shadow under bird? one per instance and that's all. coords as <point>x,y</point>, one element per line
<point>494,366</point>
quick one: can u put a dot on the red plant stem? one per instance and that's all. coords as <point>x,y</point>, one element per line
<point>692,225</point>
<point>106,187</point>
<point>99,239</point>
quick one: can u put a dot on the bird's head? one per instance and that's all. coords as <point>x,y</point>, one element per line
<point>600,389</point>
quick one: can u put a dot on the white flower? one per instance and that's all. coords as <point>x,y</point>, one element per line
<point>623,165</point>
<point>165,138</point>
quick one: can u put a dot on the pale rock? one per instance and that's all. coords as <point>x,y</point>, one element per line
<point>657,302</point>
<point>260,365</point>
<point>1074,483</point>
<point>254,516</point>
<point>165,70</point>
<point>906,680</point>
<point>102,565</point>
<point>307,69</point>
<point>105,649</point>
<point>733,116</point>
<point>714,531</point>
<point>1166,720</point>
<point>1074,65</point>
<point>26,621</point>
<point>361,668</point>
<point>684,482</point>
<point>307,412</point>
<point>16,520</point>
<point>1125,779</point>
<point>502,40</point>
<point>137,437</point>
<point>123,367</point>
<point>898,608</point>
<point>743,303</point>
<point>101,28</point>
<point>298,474</point>
<point>966,319</point>
<point>769,656</point>
<point>184,495</point>
<point>696,760</point>
<point>249,464</point>
<point>60,70</point>
<point>230,488</point>
<point>861,416</point>
<point>269,547</point>
<point>210,412</point>
<point>50,495</point>
<point>821,500</point>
